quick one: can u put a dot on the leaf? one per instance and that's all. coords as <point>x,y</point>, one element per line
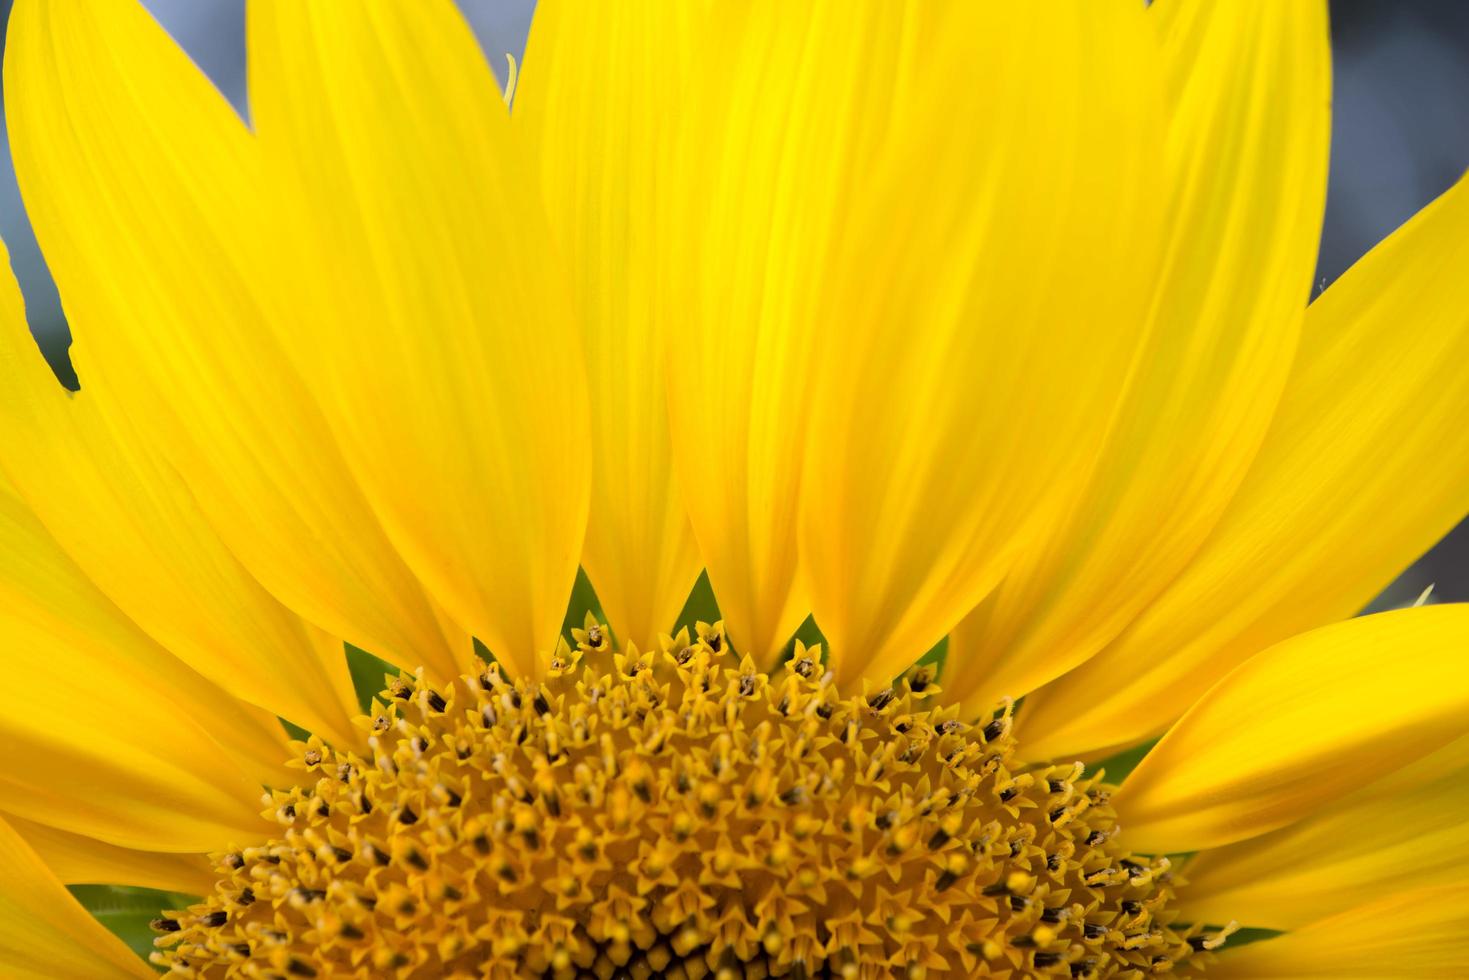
<point>1118,766</point>
<point>583,600</point>
<point>701,605</point>
<point>368,671</point>
<point>126,911</point>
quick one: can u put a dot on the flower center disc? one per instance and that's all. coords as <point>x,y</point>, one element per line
<point>681,814</point>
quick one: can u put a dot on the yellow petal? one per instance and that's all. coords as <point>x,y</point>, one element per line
<point>1409,935</point>
<point>121,513</point>
<point>1245,184</point>
<point>770,124</point>
<point>146,195</point>
<point>445,351</point>
<point>1296,727</point>
<point>79,860</point>
<point>980,299</point>
<point>1364,468</point>
<point>44,933</point>
<point>598,99</point>
<point>818,119</point>
<point>111,736</point>
<point>1385,838</point>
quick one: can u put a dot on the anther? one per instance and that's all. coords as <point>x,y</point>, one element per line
<point>881,699</point>
<point>795,796</point>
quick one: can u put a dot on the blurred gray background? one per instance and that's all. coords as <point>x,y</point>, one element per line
<point>1400,137</point>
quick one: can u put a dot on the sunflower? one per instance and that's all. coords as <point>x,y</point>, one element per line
<point>964,346</point>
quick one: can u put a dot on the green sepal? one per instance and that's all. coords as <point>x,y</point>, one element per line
<point>126,911</point>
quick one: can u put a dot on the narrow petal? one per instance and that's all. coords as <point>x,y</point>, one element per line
<point>1295,728</point>
<point>79,860</point>
<point>446,353</point>
<point>600,97</point>
<point>101,488</point>
<point>1408,935</point>
<point>979,301</point>
<point>111,736</point>
<point>771,125</point>
<point>1248,88</point>
<point>45,934</point>
<point>1385,838</point>
<point>1365,467</point>
<point>780,109</point>
<point>146,195</point>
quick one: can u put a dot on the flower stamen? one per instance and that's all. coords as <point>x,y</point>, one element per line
<point>682,814</point>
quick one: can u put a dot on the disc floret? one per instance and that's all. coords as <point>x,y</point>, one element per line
<point>681,813</point>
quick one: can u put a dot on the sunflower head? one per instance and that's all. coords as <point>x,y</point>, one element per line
<point>921,322</point>
<point>682,813</point>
